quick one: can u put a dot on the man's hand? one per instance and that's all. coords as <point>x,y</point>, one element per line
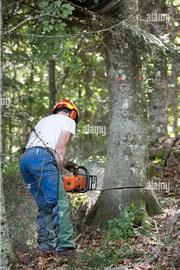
<point>71,166</point>
<point>61,148</point>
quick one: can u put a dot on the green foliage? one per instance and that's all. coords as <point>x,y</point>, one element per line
<point>26,83</point>
<point>11,169</point>
<point>116,244</point>
<point>57,11</point>
<point>130,218</point>
<point>122,228</point>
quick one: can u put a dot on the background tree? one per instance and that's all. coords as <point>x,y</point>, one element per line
<point>52,83</point>
<point>7,255</point>
<point>175,66</point>
<point>156,17</point>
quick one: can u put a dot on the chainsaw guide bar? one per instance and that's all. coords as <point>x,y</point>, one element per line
<point>81,181</point>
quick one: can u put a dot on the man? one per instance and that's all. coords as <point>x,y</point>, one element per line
<point>40,165</point>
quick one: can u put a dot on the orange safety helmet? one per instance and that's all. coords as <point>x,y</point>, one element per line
<point>65,103</point>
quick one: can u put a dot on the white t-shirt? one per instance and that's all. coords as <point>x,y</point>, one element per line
<point>49,129</point>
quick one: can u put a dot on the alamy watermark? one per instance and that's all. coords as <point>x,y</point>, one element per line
<point>158,186</point>
<point>5,102</point>
<point>158,17</point>
<point>88,129</point>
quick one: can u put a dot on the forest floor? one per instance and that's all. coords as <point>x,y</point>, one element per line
<point>157,249</point>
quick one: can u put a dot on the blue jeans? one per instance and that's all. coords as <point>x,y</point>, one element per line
<point>39,170</point>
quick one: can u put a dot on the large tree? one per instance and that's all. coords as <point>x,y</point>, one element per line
<point>127,157</point>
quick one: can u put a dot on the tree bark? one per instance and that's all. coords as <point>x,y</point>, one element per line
<point>127,154</point>
<point>6,249</point>
<point>152,204</point>
<point>52,84</point>
<point>7,255</point>
<point>159,98</point>
<point>158,104</point>
<point>10,139</point>
<point>125,173</point>
<point>175,70</point>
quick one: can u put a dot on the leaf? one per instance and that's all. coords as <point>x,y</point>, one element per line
<point>58,3</point>
<point>50,7</point>
<point>67,10</point>
<point>52,20</point>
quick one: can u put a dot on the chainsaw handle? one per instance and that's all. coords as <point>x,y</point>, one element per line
<point>88,178</point>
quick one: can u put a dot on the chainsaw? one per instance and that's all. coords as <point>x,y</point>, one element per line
<point>80,181</point>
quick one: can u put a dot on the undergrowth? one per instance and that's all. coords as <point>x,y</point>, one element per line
<point>116,243</point>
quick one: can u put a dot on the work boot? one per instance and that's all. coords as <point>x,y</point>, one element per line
<point>44,247</point>
<point>65,251</point>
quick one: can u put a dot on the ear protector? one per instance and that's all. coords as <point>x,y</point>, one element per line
<point>73,115</point>
<point>65,103</point>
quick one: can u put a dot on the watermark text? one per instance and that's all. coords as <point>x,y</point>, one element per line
<point>88,129</point>
<point>158,17</point>
<point>159,186</point>
<point>5,102</point>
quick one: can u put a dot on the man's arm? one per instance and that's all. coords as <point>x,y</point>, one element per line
<point>61,148</point>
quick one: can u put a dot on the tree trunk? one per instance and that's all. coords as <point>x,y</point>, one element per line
<point>125,173</point>
<point>6,254</point>
<point>10,139</point>
<point>6,249</point>
<point>158,104</point>
<point>175,70</point>
<point>159,98</point>
<point>127,156</point>
<point>174,98</point>
<point>52,84</point>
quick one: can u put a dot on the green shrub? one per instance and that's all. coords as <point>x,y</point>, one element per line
<point>124,226</point>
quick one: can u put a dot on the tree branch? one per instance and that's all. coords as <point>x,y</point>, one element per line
<point>89,12</point>
<point>30,18</point>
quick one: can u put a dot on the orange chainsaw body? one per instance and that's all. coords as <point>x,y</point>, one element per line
<point>75,182</point>
<point>80,181</point>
